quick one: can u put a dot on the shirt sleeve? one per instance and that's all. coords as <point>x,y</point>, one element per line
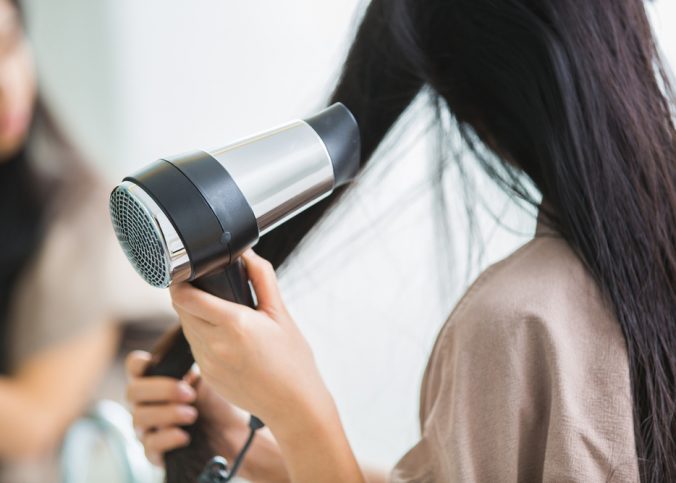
<point>522,399</point>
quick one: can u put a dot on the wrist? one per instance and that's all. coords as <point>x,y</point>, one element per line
<point>315,447</point>
<point>265,463</point>
<point>310,416</point>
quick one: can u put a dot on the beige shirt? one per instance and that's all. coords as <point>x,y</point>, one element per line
<point>528,380</point>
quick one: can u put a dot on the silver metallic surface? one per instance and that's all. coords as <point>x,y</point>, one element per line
<point>279,172</point>
<point>147,237</point>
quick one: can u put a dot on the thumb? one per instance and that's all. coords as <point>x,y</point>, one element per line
<point>136,363</point>
<point>264,281</point>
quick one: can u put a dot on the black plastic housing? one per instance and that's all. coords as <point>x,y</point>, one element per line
<point>340,133</point>
<point>205,206</point>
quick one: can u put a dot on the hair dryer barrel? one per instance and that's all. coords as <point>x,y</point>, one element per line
<point>185,216</point>
<point>283,171</point>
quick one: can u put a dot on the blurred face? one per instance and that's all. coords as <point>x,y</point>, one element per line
<point>17,82</point>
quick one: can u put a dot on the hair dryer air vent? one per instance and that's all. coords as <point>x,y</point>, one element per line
<point>147,237</point>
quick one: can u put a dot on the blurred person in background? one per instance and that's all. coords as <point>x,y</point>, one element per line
<point>64,282</point>
<point>559,362</point>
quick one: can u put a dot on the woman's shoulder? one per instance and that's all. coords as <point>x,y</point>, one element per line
<point>77,231</point>
<point>541,307</point>
<point>80,241</point>
<point>531,356</point>
<point>544,286</point>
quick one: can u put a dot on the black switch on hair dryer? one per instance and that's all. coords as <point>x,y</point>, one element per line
<point>190,217</point>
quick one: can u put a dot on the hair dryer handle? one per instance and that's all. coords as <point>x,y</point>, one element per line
<point>172,356</point>
<point>231,283</point>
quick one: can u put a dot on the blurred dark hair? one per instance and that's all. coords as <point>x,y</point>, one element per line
<point>572,93</point>
<point>30,195</point>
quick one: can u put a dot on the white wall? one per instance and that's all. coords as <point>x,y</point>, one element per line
<point>136,80</point>
<point>663,16</point>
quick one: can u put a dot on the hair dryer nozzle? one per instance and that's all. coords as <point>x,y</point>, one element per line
<point>147,237</point>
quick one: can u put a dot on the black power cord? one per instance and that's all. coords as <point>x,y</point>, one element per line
<point>217,470</point>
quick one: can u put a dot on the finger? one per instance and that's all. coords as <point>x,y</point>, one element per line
<point>159,442</point>
<point>148,390</point>
<point>264,280</point>
<point>190,301</point>
<point>162,416</point>
<point>193,376</point>
<point>136,363</point>
<point>198,308</point>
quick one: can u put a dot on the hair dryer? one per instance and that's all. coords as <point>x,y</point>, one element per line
<point>189,217</point>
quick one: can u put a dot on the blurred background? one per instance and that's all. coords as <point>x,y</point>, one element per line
<point>133,81</point>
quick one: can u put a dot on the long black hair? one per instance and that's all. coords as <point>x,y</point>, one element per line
<point>573,94</point>
<point>29,196</point>
<point>22,201</point>
<point>21,207</point>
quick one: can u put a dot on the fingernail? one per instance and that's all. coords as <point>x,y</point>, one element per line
<point>186,390</point>
<point>189,413</point>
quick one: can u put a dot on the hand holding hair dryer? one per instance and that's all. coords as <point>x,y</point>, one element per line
<point>189,218</point>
